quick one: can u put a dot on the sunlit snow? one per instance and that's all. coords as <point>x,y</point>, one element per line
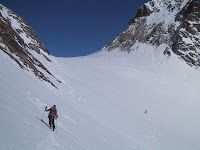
<point>101,103</point>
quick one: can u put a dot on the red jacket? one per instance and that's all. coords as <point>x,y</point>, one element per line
<point>56,115</point>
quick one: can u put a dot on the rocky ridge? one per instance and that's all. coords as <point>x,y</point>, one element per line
<point>20,42</point>
<point>175,23</point>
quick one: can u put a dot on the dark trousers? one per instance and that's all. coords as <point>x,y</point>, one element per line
<point>51,121</point>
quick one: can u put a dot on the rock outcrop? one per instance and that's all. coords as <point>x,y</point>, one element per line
<point>187,37</point>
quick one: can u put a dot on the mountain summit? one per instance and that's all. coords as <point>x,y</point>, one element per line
<point>172,23</point>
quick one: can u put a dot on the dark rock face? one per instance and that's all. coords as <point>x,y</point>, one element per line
<point>125,40</point>
<point>180,34</point>
<point>143,11</point>
<point>187,41</point>
<point>19,41</point>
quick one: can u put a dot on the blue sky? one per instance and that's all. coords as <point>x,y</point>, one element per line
<point>70,28</point>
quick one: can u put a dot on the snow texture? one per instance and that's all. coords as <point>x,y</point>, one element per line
<point>101,103</point>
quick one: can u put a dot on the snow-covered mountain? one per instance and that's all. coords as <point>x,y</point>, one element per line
<point>175,24</point>
<point>20,43</point>
<point>141,100</point>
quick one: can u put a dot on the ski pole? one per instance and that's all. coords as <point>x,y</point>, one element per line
<point>56,125</point>
<point>43,112</point>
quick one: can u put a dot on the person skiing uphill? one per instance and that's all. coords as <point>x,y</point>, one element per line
<point>52,115</point>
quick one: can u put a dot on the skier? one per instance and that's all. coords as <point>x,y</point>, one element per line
<point>145,112</point>
<point>52,115</point>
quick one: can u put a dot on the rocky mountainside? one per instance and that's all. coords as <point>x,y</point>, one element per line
<point>19,41</point>
<point>174,23</point>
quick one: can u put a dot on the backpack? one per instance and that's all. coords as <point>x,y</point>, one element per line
<point>52,112</point>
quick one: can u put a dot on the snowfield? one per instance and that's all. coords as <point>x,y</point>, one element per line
<point>101,103</point>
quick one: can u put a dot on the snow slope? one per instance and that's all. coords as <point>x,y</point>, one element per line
<point>101,103</point>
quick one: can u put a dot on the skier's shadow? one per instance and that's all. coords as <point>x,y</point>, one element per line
<point>43,122</point>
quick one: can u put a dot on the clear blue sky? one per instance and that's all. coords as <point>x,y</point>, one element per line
<point>71,28</point>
